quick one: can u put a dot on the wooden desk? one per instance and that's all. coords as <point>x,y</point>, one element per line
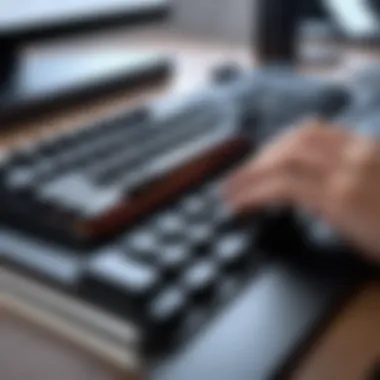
<point>350,344</point>
<point>29,352</point>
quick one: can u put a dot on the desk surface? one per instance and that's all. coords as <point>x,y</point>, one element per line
<point>350,345</point>
<point>29,352</point>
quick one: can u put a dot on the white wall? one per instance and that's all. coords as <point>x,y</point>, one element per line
<point>223,19</point>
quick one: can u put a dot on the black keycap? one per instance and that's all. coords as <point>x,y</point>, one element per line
<point>130,120</point>
<point>173,258</point>
<point>167,310</point>
<point>225,220</point>
<point>114,270</point>
<point>232,250</point>
<point>20,178</point>
<point>200,280</point>
<point>76,192</point>
<point>118,159</point>
<point>170,226</point>
<point>48,148</point>
<point>143,245</point>
<point>25,156</point>
<point>194,208</point>
<point>65,160</point>
<point>25,178</point>
<point>200,236</point>
<point>175,136</point>
<point>46,169</point>
<point>222,211</point>
<point>67,140</point>
<point>212,193</point>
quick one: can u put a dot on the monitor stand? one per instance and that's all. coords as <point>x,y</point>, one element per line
<point>32,83</point>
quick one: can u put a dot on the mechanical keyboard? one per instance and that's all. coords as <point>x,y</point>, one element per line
<point>87,184</point>
<point>126,215</point>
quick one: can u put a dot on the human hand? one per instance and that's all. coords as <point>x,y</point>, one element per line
<point>332,173</point>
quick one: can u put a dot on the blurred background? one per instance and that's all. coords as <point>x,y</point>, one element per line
<point>329,36</point>
<point>69,72</point>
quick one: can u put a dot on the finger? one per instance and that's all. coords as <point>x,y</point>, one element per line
<point>285,189</point>
<point>362,155</point>
<point>327,137</point>
<point>321,136</point>
<point>327,144</point>
<point>302,164</point>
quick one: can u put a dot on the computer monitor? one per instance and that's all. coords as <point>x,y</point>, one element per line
<point>357,19</point>
<point>31,83</point>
